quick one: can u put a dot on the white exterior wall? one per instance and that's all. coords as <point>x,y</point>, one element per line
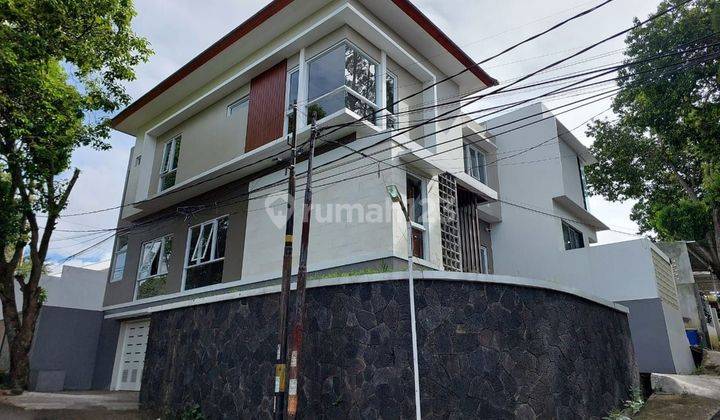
<point>76,288</point>
<point>369,226</point>
<point>618,272</point>
<point>527,243</point>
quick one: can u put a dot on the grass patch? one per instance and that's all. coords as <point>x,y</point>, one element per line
<point>383,268</point>
<point>630,408</point>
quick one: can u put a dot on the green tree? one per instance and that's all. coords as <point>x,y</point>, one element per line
<point>62,68</point>
<point>664,148</point>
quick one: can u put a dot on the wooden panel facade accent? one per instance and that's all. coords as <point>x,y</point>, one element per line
<point>266,116</point>
<point>472,233</point>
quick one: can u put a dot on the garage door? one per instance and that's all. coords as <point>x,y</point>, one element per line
<point>132,358</point>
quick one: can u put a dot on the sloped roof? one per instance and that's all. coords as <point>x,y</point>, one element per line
<point>271,10</point>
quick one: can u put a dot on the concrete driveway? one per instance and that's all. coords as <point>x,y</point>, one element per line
<point>73,405</point>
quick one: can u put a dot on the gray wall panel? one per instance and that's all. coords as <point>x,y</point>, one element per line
<point>66,339</point>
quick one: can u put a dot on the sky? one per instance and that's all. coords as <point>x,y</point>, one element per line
<point>180,29</point>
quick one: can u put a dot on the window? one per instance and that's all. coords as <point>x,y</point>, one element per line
<point>341,78</point>
<point>416,207</point>
<point>583,183</point>
<point>390,98</point>
<point>168,168</point>
<point>237,106</point>
<point>293,84</point>
<point>205,253</point>
<point>152,274</point>
<point>484,260</point>
<point>573,238</point>
<point>475,163</point>
<point>118,267</point>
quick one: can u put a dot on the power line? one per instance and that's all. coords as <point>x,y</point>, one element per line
<point>492,57</point>
<point>152,221</point>
<point>136,225</point>
<point>280,153</point>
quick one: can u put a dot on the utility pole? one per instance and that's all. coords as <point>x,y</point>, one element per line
<point>397,198</point>
<point>281,358</point>
<point>299,327</point>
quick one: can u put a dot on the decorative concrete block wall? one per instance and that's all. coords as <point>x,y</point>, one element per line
<point>486,351</point>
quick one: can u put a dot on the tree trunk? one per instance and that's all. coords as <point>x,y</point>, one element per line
<point>715,242</point>
<point>20,337</point>
<point>19,363</point>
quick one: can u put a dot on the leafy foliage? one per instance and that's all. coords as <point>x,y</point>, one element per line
<point>62,68</point>
<point>664,149</point>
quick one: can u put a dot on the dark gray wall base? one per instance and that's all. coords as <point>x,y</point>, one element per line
<point>486,351</point>
<point>66,340</point>
<point>105,357</point>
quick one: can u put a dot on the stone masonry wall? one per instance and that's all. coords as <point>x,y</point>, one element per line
<point>486,351</point>
<point>494,351</point>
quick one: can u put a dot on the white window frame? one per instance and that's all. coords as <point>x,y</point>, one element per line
<point>375,105</point>
<point>161,252</point>
<point>470,165</point>
<point>212,244</point>
<point>115,259</point>
<point>391,115</point>
<point>424,202</point>
<point>288,105</point>
<point>244,101</point>
<point>164,171</point>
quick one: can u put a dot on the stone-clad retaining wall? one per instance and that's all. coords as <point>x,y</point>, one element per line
<point>486,351</point>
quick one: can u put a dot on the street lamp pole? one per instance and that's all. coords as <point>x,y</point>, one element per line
<point>397,198</point>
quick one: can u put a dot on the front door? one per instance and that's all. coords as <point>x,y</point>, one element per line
<point>132,359</point>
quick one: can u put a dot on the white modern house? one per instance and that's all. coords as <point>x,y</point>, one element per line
<point>192,291</point>
<point>546,221</point>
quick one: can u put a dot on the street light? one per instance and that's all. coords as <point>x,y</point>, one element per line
<point>395,196</point>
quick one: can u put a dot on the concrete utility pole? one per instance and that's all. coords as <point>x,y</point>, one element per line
<point>281,358</point>
<point>299,327</point>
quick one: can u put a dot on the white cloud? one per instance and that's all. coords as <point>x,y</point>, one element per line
<point>180,29</point>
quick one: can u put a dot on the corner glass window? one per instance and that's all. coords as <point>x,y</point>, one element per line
<point>152,273</point>
<point>118,267</point>
<point>168,167</point>
<point>475,163</point>
<point>206,253</point>
<point>573,238</point>
<point>341,78</point>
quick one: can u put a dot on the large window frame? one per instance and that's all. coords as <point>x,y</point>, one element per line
<point>476,162</point>
<point>207,250</point>
<point>159,262</point>
<point>418,223</point>
<point>349,92</point>
<point>169,163</point>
